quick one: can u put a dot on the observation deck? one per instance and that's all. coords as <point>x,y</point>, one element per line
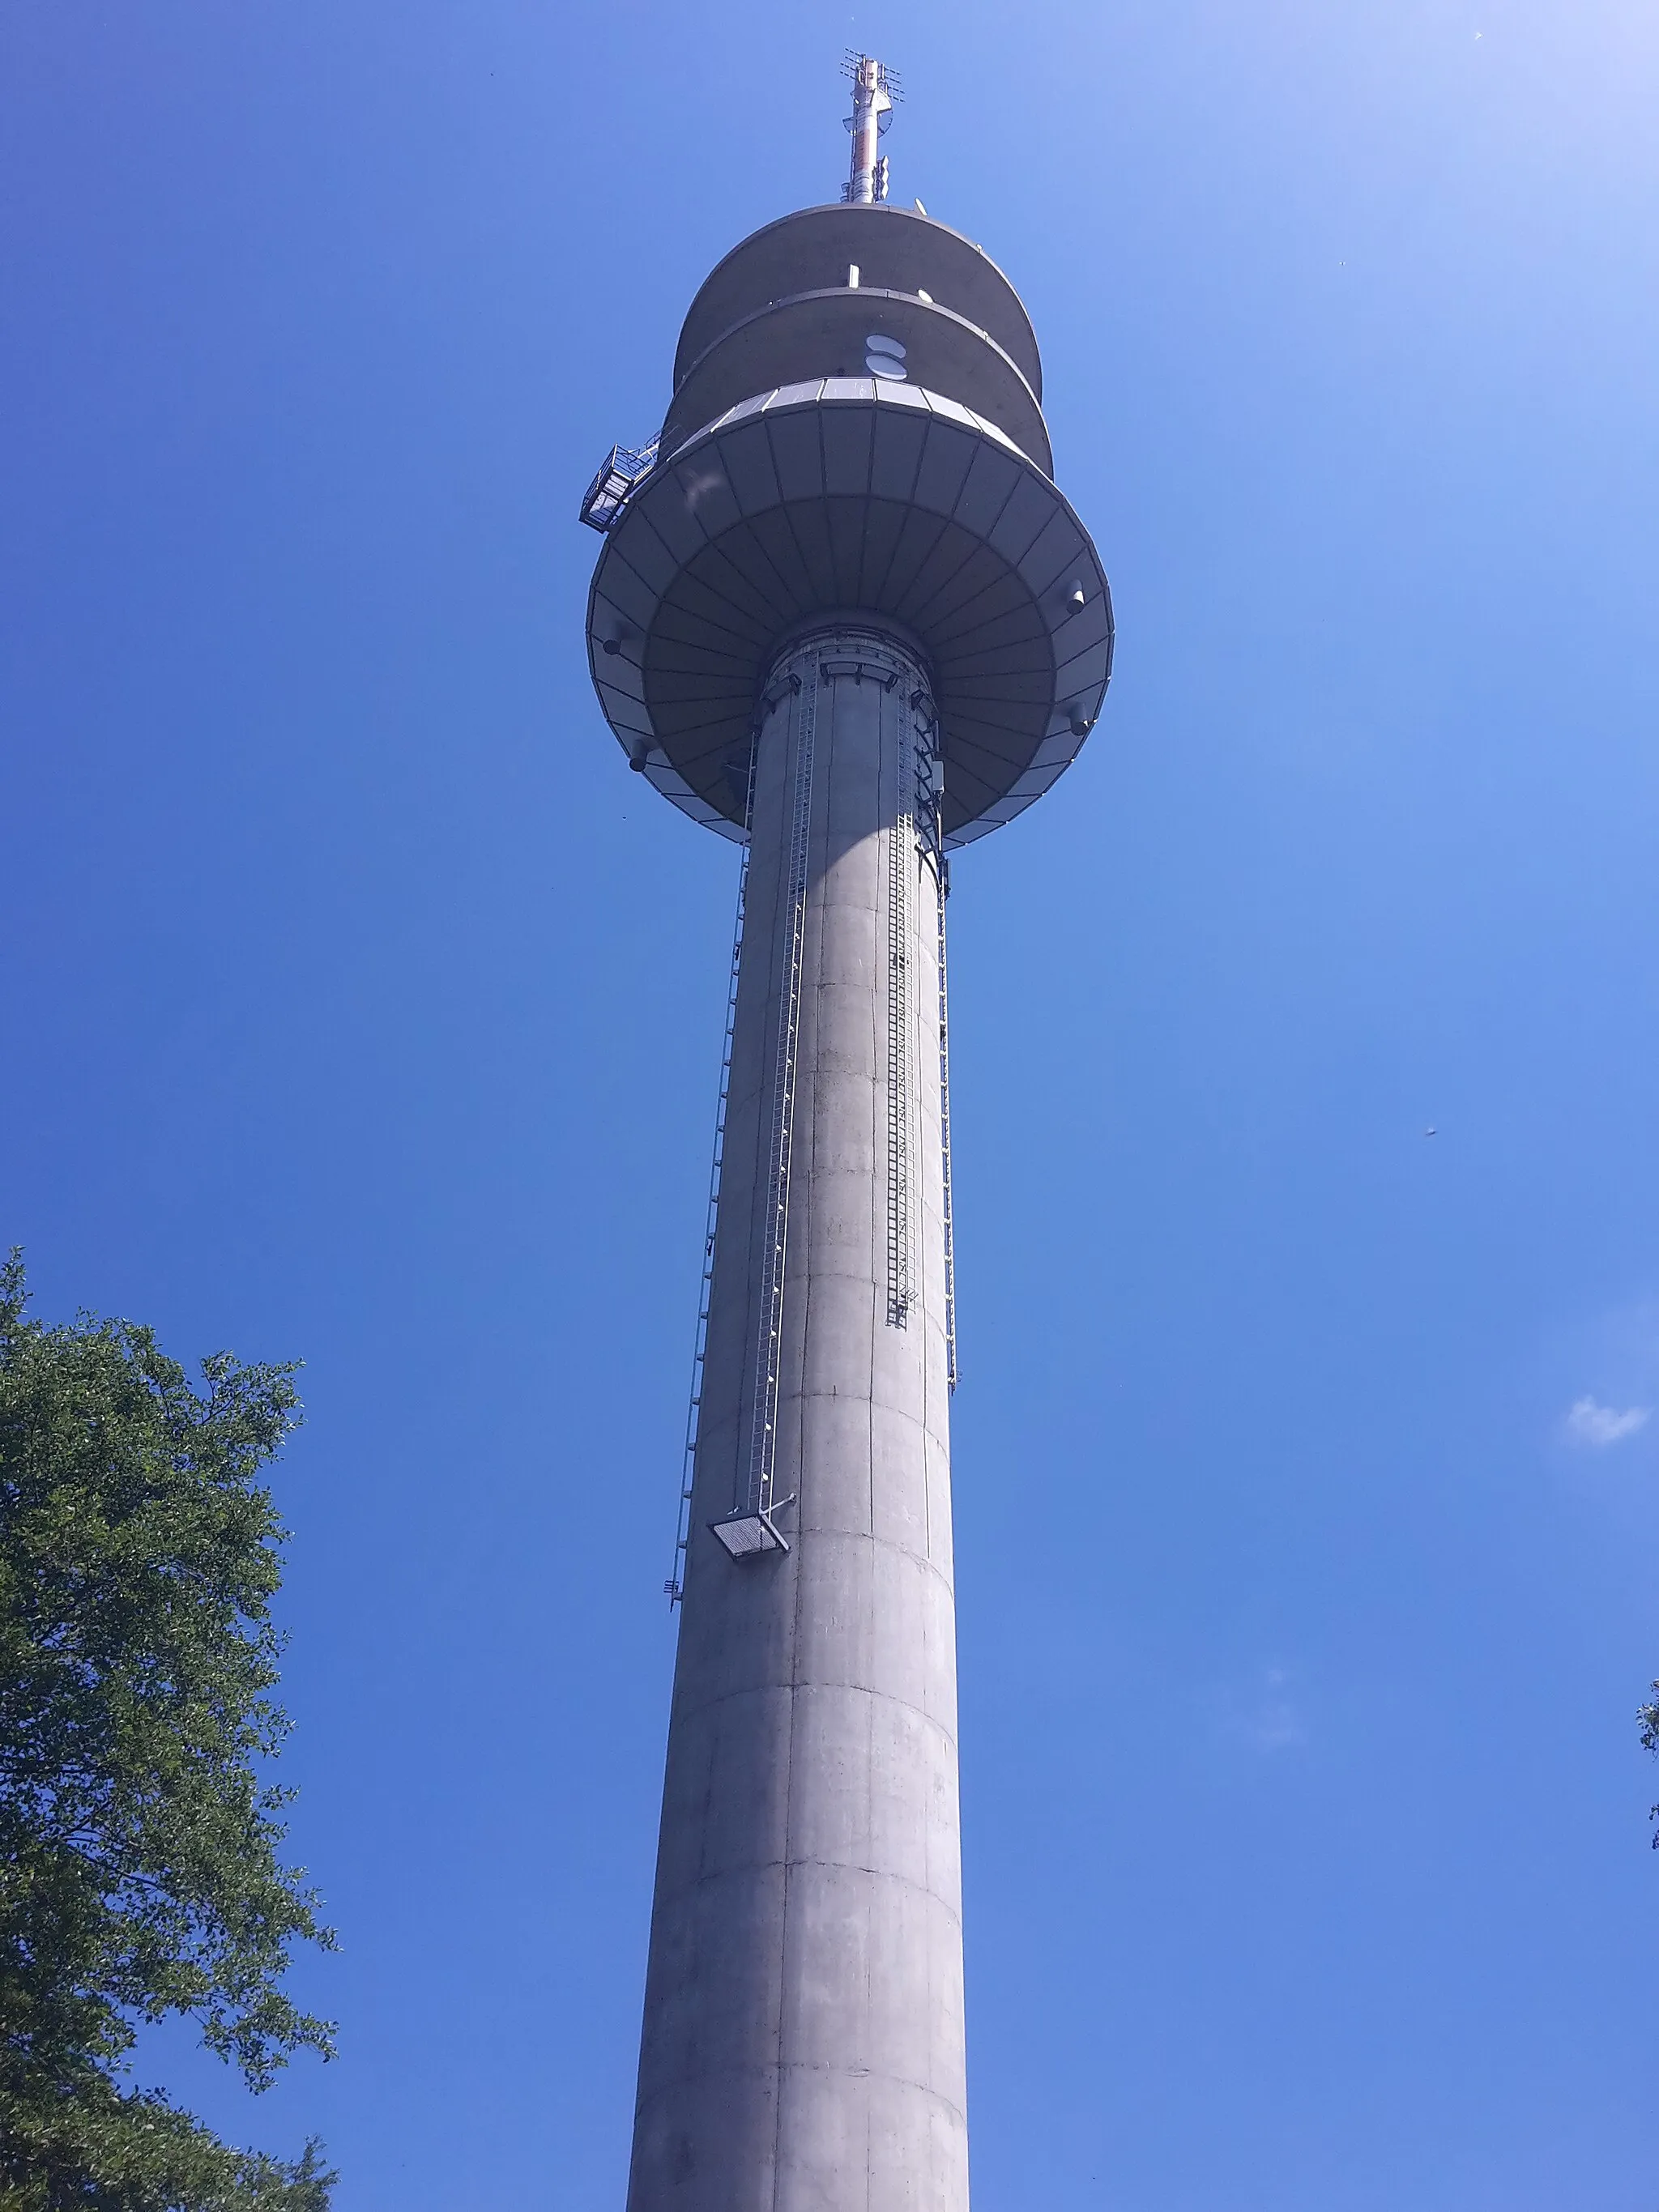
<point>855,429</point>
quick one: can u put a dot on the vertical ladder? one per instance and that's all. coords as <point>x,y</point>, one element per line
<point>755,1493</point>
<point>930,790</point>
<point>942,878</point>
<point>901,865</point>
<point>674,1587</point>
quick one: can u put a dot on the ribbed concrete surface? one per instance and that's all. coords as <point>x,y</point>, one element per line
<point>803,2039</point>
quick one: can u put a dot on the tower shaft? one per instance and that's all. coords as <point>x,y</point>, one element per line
<point>803,2044</point>
<point>844,614</point>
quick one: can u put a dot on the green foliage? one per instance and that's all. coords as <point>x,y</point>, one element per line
<point>1649,1716</point>
<point>92,2146</point>
<point>139,1874</point>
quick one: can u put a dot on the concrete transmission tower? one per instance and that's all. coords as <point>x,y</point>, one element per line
<point>843,617</point>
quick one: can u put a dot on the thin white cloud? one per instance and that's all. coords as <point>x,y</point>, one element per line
<point>1264,1717</point>
<point>1601,1426</point>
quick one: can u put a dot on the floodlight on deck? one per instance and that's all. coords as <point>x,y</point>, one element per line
<point>747,1535</point>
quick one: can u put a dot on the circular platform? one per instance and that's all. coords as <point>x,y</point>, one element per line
<point>907,253</point>
<point>821,334</point>
<point>843,497</point>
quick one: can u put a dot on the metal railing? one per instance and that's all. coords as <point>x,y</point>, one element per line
<point>621,473</point>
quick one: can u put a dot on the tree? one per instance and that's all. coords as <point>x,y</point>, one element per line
<point>1649,1716</point>
<point>139,1838</point>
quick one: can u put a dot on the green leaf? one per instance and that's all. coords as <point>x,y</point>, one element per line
<point>140,1841</point>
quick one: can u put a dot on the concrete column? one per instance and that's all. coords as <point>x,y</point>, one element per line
<point>803,2039</point>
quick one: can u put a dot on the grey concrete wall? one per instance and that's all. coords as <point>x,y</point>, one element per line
<point>803,2039</point>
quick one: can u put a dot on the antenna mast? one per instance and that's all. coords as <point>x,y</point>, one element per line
<point>875,88</point>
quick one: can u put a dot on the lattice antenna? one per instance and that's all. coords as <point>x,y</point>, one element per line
<point>875,89</point>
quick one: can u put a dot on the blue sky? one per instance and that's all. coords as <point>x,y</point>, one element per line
<point>359,1007</point>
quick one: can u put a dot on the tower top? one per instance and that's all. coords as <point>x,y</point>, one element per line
<point>856,434</point>
<point>875,89</point>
